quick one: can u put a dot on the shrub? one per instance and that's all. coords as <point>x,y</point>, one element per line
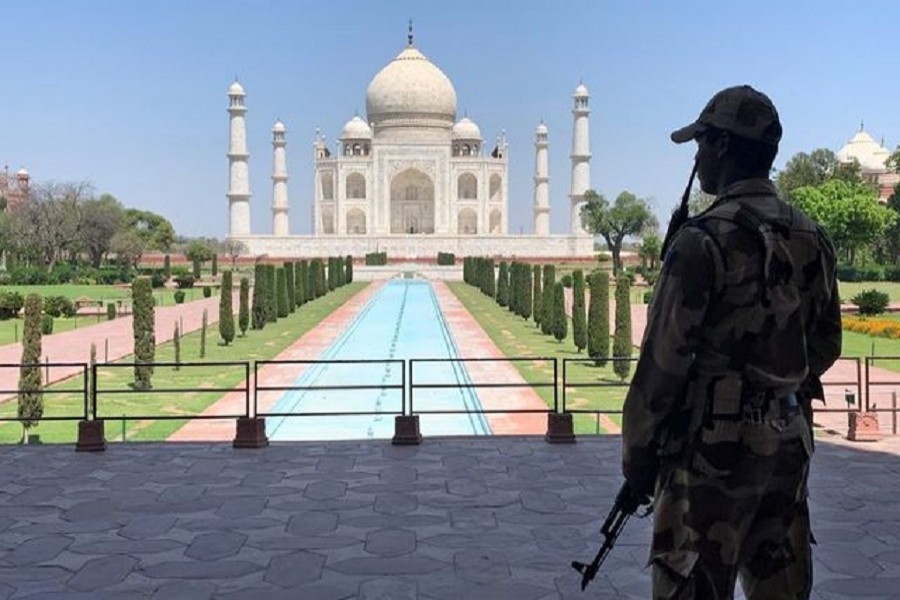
<point>598,318</point>
<point>157,279</point>
<point>271,294</point>
<point>892,273</point>
<point>226,314</point>
<point>10,305</point>
<point>244,306</point>
<point>58,306</point>
<point>547,300</point>
<point>179,296</point>
<point>847,273</point>
<point>207,291</point>
<point>446,258</point>
<point>648,296</point>
<point>527,301</point>
<point>61,273</point>
<point>111,312</point>
<point>196,266</point>
<point>30,392</point>
<point>184,282</point>
<point>870,273</point>
<point>215,264</point>
<point>291,288</point>
<point>348,269</point>
<point>503,284</point>
<point>579,320</point>
<point>46,324</point>
<point>622,337</point>
<point>537,295</point>
<point>871,302</point>
<point>259,314</point>
<point>167,267</point>
<point>566,280</point>
<point>560,322</point>
<point>24,275</point>
<point>143,331</point>
<point>376,258</point>
<point>282,298</point>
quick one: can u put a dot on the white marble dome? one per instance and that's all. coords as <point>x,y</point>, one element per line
<point>541,129</point>
<point>581,91</point>
<point>236,89</point>
<point>412,91</point>
<point>870,155</point>
<point>356,129</point>
<point>278,127</point>
<point>466,129</point>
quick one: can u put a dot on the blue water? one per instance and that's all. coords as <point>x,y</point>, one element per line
<point>401,321</point>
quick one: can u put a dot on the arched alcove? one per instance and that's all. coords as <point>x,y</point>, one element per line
<point>356,186</point>
<point>412,202</point>
<point>467,186</point>
<point>356,221</point>
<point>467,222</point>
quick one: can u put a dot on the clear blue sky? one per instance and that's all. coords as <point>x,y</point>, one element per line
<point>131,95</point>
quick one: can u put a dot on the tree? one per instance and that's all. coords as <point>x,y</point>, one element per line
<point>143,329</point>
<point>215,264</point>
<point>348,269</point>
<point>167,267</point>
<point>244,307</point>
<point>31,395</point>
<point>101,220</point>
<point>579,325</point>
<point>627,216</point>
<point>260,299</point>
<point>305,280</point>
<point>527,301</point>
<point>814,169</point>
<point>271,294</point>
<point>299,284</point>
<point>537,295</point>
<point>282,298</point>
<point>503,284</point>
<point>622,337</point>
<point>128,247</point>
<point>598,318</point>
<point>289,284</point>
<point>649,250</point>
<point>849,212</point>
<point>198,252</point>
<point>203,334</point>
<point>547,300</point>
<point>47,226</point>
<point>176,343</point>
<point>699,201</point>
<point>226,312</point>
<point>156,231</point>
<point>560,321</point>
<point>234,249</point>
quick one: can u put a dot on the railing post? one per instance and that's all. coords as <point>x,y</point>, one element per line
<point>560,428</point>
<point>406,426</point>
<point>91,436</point>
<point>251,430</point>
<point>862,425</point>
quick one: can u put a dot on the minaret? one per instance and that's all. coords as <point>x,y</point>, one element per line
<point>541,182</point>
<point>279,182</point>
<point>238,172</point>
<point>581,158</point>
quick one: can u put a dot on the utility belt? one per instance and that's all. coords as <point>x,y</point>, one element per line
<point>727,402</point>
<point>754,407</point>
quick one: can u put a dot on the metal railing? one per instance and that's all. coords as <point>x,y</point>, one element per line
<point>304,388</point>
<point>464,381</point>
<point>100,394</point>
<point>45,390</point>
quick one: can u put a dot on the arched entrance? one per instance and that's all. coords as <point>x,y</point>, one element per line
<point>412,202</point>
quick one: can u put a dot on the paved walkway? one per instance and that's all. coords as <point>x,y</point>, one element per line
<point>116,336</point>
<point>476,518</point>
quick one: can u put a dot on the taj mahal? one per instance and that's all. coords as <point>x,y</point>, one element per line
<point>410,179</point>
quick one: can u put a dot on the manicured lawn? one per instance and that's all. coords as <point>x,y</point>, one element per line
<point>516,337</point>
<point>849,289</point>
<point>261,345</point>
<point>11,330</point>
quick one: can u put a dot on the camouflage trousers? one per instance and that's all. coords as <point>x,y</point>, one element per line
<point>736,507</point>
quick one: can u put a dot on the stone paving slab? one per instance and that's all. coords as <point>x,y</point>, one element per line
<point>475,518</point>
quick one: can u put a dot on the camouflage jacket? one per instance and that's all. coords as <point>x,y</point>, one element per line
<point>759,304</point>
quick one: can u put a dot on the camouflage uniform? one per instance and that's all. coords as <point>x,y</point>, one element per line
<point>745,312</point>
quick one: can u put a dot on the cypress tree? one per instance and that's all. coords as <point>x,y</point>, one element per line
<point>491,278</point>
<point>503,284</point>
<point>271,294</point>
<point>598,318</point>
<point>244,307</point>
<point>260,286</point>
<point>547,301</point>
<point>526,291</point>
<point>167,267</point>
<point>226,312</point>
<point>31,396</point>
<point>143,330</point>
<point>560,322</point>
<point>176,343</point>
<point>321,283</point>
<point>311,280</point>
<point>622,336</point>
<point>215,264</point>
<point>196,268</point>
<point>203,334</point>
<point>300,282</point>
<point>515,288</point>
<point>579,325</point>
<point>289,286</point>
<point>307,280</point>
<point>348,269</point>
<point>298,285</point>
<point>282,300</point>
<point>537,295</point>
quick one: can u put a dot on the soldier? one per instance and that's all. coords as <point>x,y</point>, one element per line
<point>744,320</point>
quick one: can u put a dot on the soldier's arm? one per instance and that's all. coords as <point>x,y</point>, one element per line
<point>673,324</point>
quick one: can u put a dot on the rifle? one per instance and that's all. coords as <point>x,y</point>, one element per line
<point>626,504</point>
<point>679,215</point>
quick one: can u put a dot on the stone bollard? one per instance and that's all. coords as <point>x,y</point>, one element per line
<point>251,433</point>
<point>91,436</point>
<point>560,429</point>
<point>406,431</point>
<point>862,426</point>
